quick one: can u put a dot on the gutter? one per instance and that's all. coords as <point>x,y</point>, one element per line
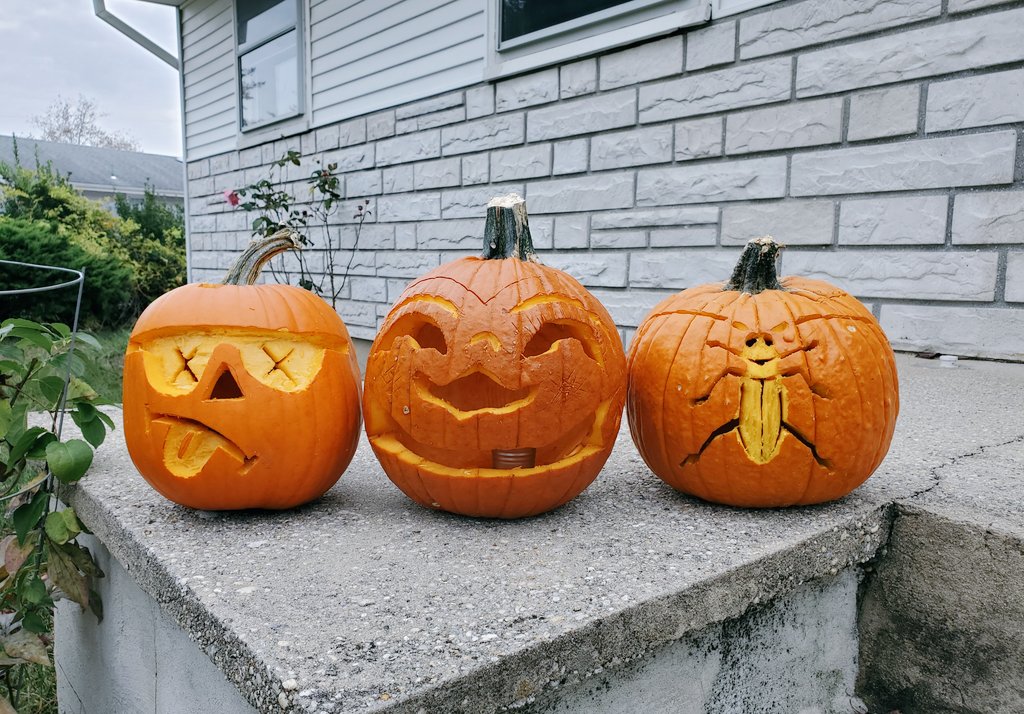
<point>101,11</point>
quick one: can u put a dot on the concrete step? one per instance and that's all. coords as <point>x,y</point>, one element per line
<point>630,598</point>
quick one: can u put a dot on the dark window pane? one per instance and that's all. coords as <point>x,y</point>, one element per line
<point>260,19</point>
<point>270,81</point>
<point>521,17</point>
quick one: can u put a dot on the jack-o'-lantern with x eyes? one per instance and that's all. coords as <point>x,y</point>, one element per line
<point>495,385</point>
<point>762,393</point>
<point>239,395</point>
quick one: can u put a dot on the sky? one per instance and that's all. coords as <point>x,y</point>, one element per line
<point>59,47</point>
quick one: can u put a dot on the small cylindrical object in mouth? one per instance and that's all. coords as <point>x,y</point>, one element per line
<point>514,458</point>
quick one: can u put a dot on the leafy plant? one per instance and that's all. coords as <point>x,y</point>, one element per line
<point>42,561</point>
<point>277,209</point>
<point>130,259</point>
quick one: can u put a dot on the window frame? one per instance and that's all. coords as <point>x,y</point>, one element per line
<point>300,60</point>
<point>587,35</point>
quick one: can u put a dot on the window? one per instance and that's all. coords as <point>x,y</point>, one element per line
<point>526,34</point>
<point>522,17</point>
<point>269,66</point>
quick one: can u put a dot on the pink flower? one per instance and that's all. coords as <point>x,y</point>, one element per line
<point>231,197</point>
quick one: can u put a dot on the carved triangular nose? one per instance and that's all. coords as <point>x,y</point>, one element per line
<point>226,387</point>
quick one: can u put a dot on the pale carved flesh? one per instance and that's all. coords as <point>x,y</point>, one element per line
<point>559,338</point>
<point>176,365</point>
<point>760,423</point>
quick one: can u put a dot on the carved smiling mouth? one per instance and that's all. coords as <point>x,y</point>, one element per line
<point>576,443</point>
<point>472,394</point>
<point>190,444</point>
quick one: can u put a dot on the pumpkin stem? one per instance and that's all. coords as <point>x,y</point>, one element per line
<point>755,272</point>
<point>507,231</point>
<point>248,266</point>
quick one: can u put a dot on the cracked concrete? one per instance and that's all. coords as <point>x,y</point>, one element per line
<point>370,603</point>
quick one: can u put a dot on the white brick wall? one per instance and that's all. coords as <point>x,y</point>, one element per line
<point>881,140</point>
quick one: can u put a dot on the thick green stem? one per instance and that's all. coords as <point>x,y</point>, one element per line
<point>247,268</point>
<point>507,230</point>
<point>755,272</point>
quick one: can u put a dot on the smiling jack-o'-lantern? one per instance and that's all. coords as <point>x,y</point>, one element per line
<point>239,395</point>
<point>495,386</point>
<point>759,393</point>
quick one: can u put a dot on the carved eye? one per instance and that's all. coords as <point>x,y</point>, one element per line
<point>551,332</point>
<point>419,327</point>
<point>175,365</point>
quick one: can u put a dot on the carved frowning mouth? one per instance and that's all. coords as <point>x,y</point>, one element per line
<point>472,394</point>
<point>190,444</point>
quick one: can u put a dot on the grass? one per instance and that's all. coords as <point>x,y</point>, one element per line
<point>105,374</point>
<point>36,686</point>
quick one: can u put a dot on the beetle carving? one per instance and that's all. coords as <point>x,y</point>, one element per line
<point>761,393</point>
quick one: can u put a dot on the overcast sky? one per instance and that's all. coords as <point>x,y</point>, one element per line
<point>59,47</point>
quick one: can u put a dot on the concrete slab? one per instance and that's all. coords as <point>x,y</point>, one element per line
<point>371,603</point>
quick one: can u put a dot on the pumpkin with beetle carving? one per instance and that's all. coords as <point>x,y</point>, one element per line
<point>239,395</point>
<point>495,385</point>
<point>759,393</point>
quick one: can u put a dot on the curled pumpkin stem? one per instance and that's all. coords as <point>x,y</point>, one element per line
<point>507,230</point>
<point>755,272</point>
<point>247,268</point>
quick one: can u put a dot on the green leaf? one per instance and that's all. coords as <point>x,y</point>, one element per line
<point>27,646</point>
<point>33,590</point>
<point>25,441</point>
<point>10,366</point>
<point>64,574</point>
<point>51,388</point>
<point>33,622</point>
<point>6,417</point>
<point>18,424</point>
<point>61,329</point>
<point>27,515</point>
<point>106,420</point>
<point>61,526</point>
<point>36,337</point>
<point>69,460</point>
<point>87,417</point>
<point>88,339</point>
<point>38,450</point>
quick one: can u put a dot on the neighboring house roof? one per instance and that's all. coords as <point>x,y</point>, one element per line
<point>99,170</point>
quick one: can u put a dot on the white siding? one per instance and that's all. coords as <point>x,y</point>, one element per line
<point>373,54</point>
<point>208,56</point>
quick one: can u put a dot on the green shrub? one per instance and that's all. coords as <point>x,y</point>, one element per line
<point>130,259</point>
<point>108,296</point>
<point>154,242</point>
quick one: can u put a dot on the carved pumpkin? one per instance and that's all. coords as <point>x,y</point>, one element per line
<point>495,385</point>
<point>239,395</point>
<point>761,394</point>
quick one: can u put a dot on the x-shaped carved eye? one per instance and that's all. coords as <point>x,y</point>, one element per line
<point>177,364</point>
<point>550,333</point>
<point>279,353</point>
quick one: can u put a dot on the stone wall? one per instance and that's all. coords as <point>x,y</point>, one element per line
<point>879,139</point>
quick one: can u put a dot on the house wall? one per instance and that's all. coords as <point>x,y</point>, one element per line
<point>208,65</point>
<point>879,139</point>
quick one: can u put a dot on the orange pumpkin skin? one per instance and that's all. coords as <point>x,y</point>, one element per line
<point>784,397</point>
<point>494,354</point>
<point>277,431</point>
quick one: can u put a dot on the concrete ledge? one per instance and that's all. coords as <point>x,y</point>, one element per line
<point>363,601</point>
